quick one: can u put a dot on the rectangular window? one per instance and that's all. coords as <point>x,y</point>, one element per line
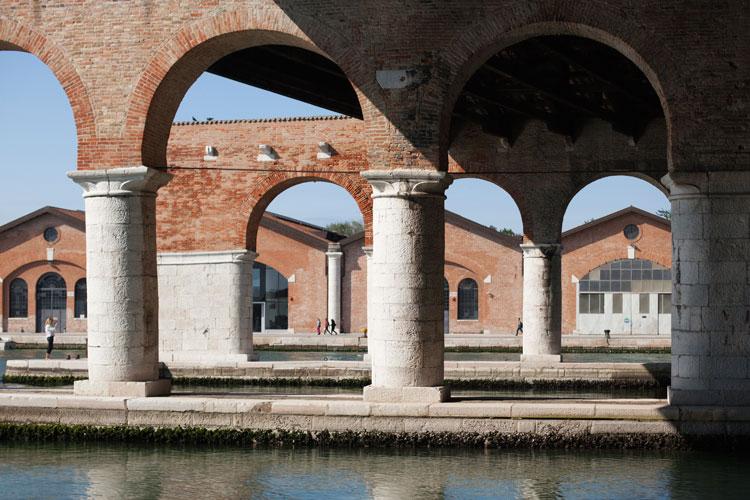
<point>665,303</point>
<point>591,303</point>
<point>616,303</point>
<point>643,303</point>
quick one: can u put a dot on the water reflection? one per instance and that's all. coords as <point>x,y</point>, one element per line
<point>76,471</point>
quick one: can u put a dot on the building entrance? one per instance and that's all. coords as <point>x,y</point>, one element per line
<point>51,297</point>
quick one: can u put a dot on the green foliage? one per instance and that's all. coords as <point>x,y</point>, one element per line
<point>346,228</point>
<point>506,231</point>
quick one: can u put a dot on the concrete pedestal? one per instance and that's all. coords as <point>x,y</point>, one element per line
<point>333,256</point>
<point>711,280</point>
<point>161,387</point>
<point>205,306</point>
<point>405,313</point>
<point>542,303</point>
<point>123,311</point>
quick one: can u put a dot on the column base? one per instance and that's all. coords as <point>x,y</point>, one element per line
<point>161,387</point>
<point>541,359</point>
<point>373,394</point>
<point>714,397</point>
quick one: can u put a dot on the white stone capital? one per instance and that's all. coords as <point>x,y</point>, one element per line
<point>126,181</point>
<point>368,252</point>
<point>407,183</point>
<point>334,251</point>
<point>541,251</point>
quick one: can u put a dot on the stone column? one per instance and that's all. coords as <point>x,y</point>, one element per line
<point>542,303</point>
<point>123,302</point>
<point>405,310</point>
<point>205,306</point>
<point>334,255</point>
<point>710,288</point>
<point>368,255</point>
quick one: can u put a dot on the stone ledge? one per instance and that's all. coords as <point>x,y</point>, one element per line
<point>333,414</point>
<point>149,388</point>
<point>374,393</point>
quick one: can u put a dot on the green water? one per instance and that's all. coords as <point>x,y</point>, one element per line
<point>91,471</point>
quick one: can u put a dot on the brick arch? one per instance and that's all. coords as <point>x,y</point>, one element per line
<point>470,49</point>
<point>20,37</point>
<point>597,177</point>
<point>270,186</point>
<point>181,60</point>
<point>505,183</point>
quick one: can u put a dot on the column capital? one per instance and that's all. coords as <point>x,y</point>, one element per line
<point>541,250</point>
<point>407,183</point>
<point>697,184</point>
<point>334,250</point>
<point>367,251</point>
<point>126,181</point>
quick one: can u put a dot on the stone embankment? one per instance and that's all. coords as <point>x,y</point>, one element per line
<point>466,374</point>
<point>350,421</point>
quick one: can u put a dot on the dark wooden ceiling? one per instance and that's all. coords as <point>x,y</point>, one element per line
<point>292,72</point>
<point>560,80</point>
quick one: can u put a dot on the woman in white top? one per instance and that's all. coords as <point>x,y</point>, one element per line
<point>49,330</point>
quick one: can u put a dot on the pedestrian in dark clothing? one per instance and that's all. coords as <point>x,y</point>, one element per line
<point>333,327</point>
<point>519,328</point>
<point>326,330</point>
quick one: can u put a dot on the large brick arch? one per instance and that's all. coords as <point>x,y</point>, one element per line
<point>17,36</point>
<point>505,183</point>
<point>599,176</point>
<point>469,50</point>
<point>270,186</point>
<point>182,59</point>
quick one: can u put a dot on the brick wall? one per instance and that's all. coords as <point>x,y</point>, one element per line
<point>24,255</point>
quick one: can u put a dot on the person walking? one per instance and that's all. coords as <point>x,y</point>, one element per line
<point>519,328</point>
<point>333,327</point>
<point>317,326</point>
<point>326,330</point>
<point>49,330</point>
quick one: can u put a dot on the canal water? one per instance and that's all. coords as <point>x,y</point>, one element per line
<point>118,472</point>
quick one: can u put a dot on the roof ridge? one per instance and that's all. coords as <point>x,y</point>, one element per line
<point>265,120</point>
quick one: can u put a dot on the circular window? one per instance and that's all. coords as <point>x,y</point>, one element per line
<point>631,231</point>
<point>50,235</point>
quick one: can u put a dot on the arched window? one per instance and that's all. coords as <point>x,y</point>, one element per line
<point>468,299</point>
<point>19,299</point>
<point>51,300</point>
<point>446,295</point>
<point>81,309</point>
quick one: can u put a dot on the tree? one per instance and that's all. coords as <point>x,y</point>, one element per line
<point>506,231</point>
<point>664,212</point>
<point>347,228</point>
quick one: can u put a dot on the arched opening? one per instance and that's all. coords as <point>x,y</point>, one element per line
<point>483,233</point>
<point>18,306</point>
<point>282,63</point>
<point>468,300</point>
<point>310,237</point>
<point>80,308</point>
<point>625,297</point>
<point>51,301</point>
<point>617,255</point>
<point>37,136</point>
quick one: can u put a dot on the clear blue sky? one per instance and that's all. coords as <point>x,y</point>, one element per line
<point>37,140</point>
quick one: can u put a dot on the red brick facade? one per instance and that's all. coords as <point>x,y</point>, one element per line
<point>298,252</point>
<point>25,254</point>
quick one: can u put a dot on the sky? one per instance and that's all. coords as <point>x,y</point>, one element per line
<point>38,144</point>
